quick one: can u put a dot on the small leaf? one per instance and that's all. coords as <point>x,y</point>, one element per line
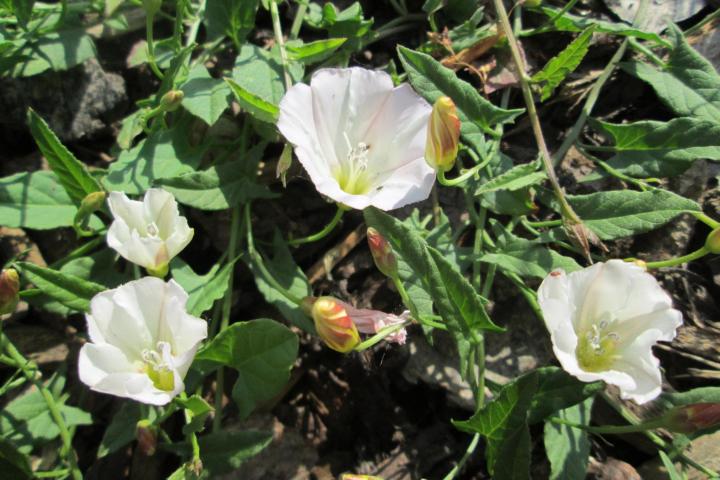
<point>71,291</point>
<point>205,97</point>
<point>560,66</point>
<point>203,290</point>
<point>71,172</point>
<point>520,176</point>
<point>262,351</point>
<point>259,108</point>
<point>314,52</point>
<point>200,410</point>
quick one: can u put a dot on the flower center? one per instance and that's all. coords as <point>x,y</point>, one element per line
<point>596,348</point>
<point>157,368</point>
<point>152,229</point>
<point>352,174</point>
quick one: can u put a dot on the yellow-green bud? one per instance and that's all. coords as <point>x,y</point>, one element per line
<point>334,325</point>
<point>171,100</point>
<point>382,253</point>
<point>9,288</point>
<point>712,243</point>
<point>443,135</point>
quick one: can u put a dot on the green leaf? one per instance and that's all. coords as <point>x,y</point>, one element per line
<point>224,452</point>
<point>556,391</point>
<point>71,172</point>
<point>205,97</point>
<point>71,291</point>
<point>314,52</point>
<point>564,63</point>
<point>54,50</point>
<point>529,259</point>
<point>14,464</point>
<point>36,200</point>
<point>262,351</point>
<point>432,80</point>
<point>455,299</point>
<point>696,395</point>
<point>200,410</point>
<point>259,108</point>
<point>568,448</point>
<point>519,176</point>
<point>661,149</point>
<point>121,429</point>
<point>22,10</point>
<point>673,473</point>
<point>234,18</point>
<point>221,186</point>
<point>623,213</point>
<point>503,422</point>
<point>163,154</point>
<point>575,23</point>
<point>259,73</point>
<point>291,277</point>
<point>689,84</point>
<point>203,290</point>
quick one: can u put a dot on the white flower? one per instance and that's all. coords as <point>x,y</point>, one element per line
<point>143,341</point>
<point>361,140</point>
<point>603,322</point>
<point>149,233</point>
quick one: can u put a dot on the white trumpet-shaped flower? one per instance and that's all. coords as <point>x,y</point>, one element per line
<point>361,140</point>
<point>604,320</point>
<point>143,341</point>
<point>149,232</point>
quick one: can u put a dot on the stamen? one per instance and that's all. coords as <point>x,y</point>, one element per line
<point>152,229</point>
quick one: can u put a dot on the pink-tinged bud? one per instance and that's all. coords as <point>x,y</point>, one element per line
<point>382,253</point>
<point>355,476</point>
<point>334,325</point>
<point>712,243</point>
<point>443,136</point>
<point>9,288</point>
<point>691,418</point>
<point>146,435</point>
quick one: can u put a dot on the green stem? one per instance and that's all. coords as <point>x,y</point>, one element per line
<point>258,261</point>
<point>192,437</point>
<point>705,219</point>
<point>611,429</point>
<point>405,297</point>
<point>180,6</point>
<point>298,20</point>
<point>225,319</point>
<point>544,223</point>
<point>646,51</point>
<point>699,253</point>
<point>277,30</point>
<point>380,335</point>
<point>149,24</point>
<point>698,26</point>
<point>61,472</point>
<point>29,373</point>
<point>550,21</point>
<point>470,450</point>
<point>322,233</point>
<point>567,210</point>
<point>529,294</point>
<point>458,181</point>
<point>195,27</point>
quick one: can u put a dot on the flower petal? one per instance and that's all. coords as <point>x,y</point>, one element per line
<point>159,206</point>
<point>130,211</point>
<point>95,362</point>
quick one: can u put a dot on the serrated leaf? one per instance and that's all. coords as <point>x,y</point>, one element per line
<point>432,80</point>
<point>519,176</point>
<point>661,149</point>
<point>564,63</point>
<point>71,172</point>
<point>258,108</point>
<point>262,351</point>
<point>568,448</point>
<point>36,200</point>
<point>314,52</point>
<point>623,213</point>
<point>71,291</point>
<point>205,97</point>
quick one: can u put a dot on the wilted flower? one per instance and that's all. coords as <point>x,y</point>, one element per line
<point>372,321</point>
<point>146,436</point>
<point>360,139</point>
<point>604,320</point>
<point>443,137</point>
<point>143,341</point>
<point>691,418</point>
<point>382,253</point>
<point>9,287</point>
<point>149,233</point>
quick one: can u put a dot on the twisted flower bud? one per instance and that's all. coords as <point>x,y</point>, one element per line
<point>9,287</point>
<point>333,324</point>
<point>691,418</point>
<point>443,136</point>
<point>382,253</point>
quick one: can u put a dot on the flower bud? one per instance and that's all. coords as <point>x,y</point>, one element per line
<point>334,325</point>
<point>712,243</point>
<point>355,476</point>
<point>382,253</point>
<point>171,100</point>
<point>146,435</point>
<point>9,287</point>
<point>691,418</point>
<point>443,136</point>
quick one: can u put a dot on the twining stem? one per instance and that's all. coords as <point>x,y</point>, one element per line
<point>699,253</point>
<point>470,450</point>
<point>30,373</point>
<point>611,429</point>
<point>567,211</point>
<point>706,220</point>
<point>298,20</point>
<point>277,30</point>
<point>225,318</point>
<point>258,262</point>
<point>322,233</point>
<point>149,23</point>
